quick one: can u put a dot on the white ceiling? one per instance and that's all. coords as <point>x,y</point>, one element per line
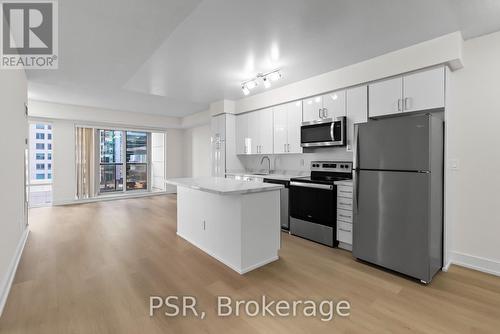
<point>174,57</point>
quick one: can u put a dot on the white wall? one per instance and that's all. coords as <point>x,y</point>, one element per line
<point>89,115</point>
<point>446,49</point>
<point>158,155</point>
<point>197,151</point>
<point>13,96</point>
<point>473,119</point>
<point>63,162</point>
<point>65,117</point>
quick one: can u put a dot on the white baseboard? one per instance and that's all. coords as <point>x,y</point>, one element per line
<point>6,282</point>
<point>239,270</point>
<point>446,266</point>
<point>109,198</point>
<point>485,265</point>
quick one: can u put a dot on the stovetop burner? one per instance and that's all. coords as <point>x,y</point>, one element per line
<point>327,172</point>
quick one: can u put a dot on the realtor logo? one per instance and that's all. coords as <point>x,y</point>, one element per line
<point>29,35</point>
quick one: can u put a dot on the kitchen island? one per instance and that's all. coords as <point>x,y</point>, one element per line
<point>236,222</point>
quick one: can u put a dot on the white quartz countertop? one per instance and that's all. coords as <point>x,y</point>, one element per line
<point>223,186</point>
<point>273,176</point>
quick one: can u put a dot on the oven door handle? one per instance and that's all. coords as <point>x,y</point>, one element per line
<point>311,185</point>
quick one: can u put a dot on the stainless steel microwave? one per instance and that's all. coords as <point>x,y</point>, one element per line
<point>327,132</point>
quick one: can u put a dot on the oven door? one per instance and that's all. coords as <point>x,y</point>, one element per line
<point>315,203</point>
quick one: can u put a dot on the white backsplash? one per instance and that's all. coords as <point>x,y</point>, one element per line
<point>295,162</point>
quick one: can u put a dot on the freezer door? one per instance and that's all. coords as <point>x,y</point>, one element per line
<point>400,143</point>
<point>390,228</point>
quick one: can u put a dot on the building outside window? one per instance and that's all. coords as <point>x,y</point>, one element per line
<point>40,165</point>
<point>123,155</point>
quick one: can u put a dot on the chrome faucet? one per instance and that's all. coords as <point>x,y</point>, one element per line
<point>269,163</point>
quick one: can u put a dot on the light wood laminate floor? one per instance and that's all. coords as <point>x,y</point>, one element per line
<point>91,268</point>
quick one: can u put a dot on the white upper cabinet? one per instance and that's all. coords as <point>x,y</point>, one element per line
<point>357,111</point>
<point>294,121</point>
<point>334,104</point>
<point>287,122</point>
<point>329,105</point>
<point>423,90</point>
<point>265,139</point>
<point>242,143</point>
<point>258,138</point>
<point>312,109</point>
<point>280,115</point>
<point>386,97</point>
<point>412,92</point>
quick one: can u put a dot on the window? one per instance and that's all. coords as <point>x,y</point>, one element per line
<point>123,155</point>
<point>40,126</point>
<point>49,135</point>
<point>49,176</point>
<point>49,146</point>
<point>111,162</point>
<point>49,127</point>
<point>49,156</point>
<point>49,166</point>
<point>40,176</point>
<point>40,135</point>
<point>40,156</point>
<point>40,166</point>
<point>40,146</point>
<point>137,154</point>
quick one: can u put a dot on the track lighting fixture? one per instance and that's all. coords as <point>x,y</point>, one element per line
<point>266,78</point>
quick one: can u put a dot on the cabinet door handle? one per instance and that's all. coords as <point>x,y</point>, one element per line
<point>344,230</point>
<point>343,203</point>
<point>325,112</point>
<point>319,113</point>
<point>288,145</point>
<point>345,191</point>
<point>406,103</point>
<point>204,225</point>
<point>344,216</point>
<point>400,108</point>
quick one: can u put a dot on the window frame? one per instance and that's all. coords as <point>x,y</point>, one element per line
<point>124,162</point>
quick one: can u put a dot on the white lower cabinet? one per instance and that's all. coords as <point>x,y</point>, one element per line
<point>344,216</point>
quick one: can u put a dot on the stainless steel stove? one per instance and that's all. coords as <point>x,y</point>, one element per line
<point>313,201</point>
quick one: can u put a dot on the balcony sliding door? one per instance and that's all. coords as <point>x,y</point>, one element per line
<point>123,155</point>
<point>137,160</point>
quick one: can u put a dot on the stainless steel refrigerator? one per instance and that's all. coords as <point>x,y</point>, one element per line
<point>398,194</point>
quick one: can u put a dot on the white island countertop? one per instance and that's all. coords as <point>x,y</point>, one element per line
<point>223,186</point>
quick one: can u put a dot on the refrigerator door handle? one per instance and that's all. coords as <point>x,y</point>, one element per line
<point>355,170</point>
